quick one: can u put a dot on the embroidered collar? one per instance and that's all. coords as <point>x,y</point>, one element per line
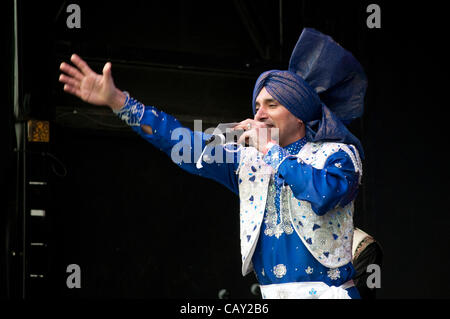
<point>295,147</point>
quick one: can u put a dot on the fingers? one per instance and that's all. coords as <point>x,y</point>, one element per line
<point>243,138</point>
<point>72,90</point>
<point>70,70</point>
<point>69,80</point>
<point>107,69</point>
<point>257,137</point>
<point>244,125</point>
<point>249,124</point>
<point>249,137</point>
<point>107,72</point>
<point>71,83</point>
<point>81,64</point>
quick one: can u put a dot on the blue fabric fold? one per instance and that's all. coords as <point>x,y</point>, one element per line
<point>330,128</point>
<point>332,71</point>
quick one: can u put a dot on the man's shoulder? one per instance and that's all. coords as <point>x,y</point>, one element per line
<point>325,147</point>
<point>317,153</point>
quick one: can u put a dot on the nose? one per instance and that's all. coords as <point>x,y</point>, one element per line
<point>261,114</point>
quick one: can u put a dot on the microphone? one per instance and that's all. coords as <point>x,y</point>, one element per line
<point>222,134</point>
<point>221,139</point>
<point>217,139</point>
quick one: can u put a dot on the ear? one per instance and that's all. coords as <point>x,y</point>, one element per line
<point>300,122</point>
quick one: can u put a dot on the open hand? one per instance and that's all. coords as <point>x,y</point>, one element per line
<point>98,89</point>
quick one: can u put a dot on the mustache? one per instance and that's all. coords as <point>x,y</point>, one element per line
<point>267,123</point>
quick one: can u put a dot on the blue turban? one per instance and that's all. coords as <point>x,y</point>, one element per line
<point>324,87</point>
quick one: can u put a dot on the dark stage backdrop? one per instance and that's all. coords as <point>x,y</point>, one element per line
<point>140,227</point>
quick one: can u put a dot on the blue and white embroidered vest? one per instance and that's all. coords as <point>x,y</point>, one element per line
<point>328,237</point>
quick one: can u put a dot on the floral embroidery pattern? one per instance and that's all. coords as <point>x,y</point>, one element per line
<point>334,274</point>
<point>132,112</point>
<point>279,271</point>
<point>273,227</point>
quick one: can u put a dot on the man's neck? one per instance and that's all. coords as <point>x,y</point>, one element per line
<point>292,140</point>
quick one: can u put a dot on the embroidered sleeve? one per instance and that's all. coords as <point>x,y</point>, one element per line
<point>132,112</point>
<point>335,184</point>
<point>181,144</point>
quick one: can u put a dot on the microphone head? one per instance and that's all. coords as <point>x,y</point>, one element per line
<point>223,134</point>
<point>216,139</point>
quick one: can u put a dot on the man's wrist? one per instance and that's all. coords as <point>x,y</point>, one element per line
<point>128,109</point>
<point>118,100</point>
<point>268,146</point>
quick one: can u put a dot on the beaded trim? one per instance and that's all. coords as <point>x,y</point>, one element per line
<point>362,245</point>
<point>132,111</point>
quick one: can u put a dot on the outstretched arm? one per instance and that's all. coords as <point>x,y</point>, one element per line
<point>153,125</point>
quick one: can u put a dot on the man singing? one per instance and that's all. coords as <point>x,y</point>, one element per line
<point>299,175</point>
